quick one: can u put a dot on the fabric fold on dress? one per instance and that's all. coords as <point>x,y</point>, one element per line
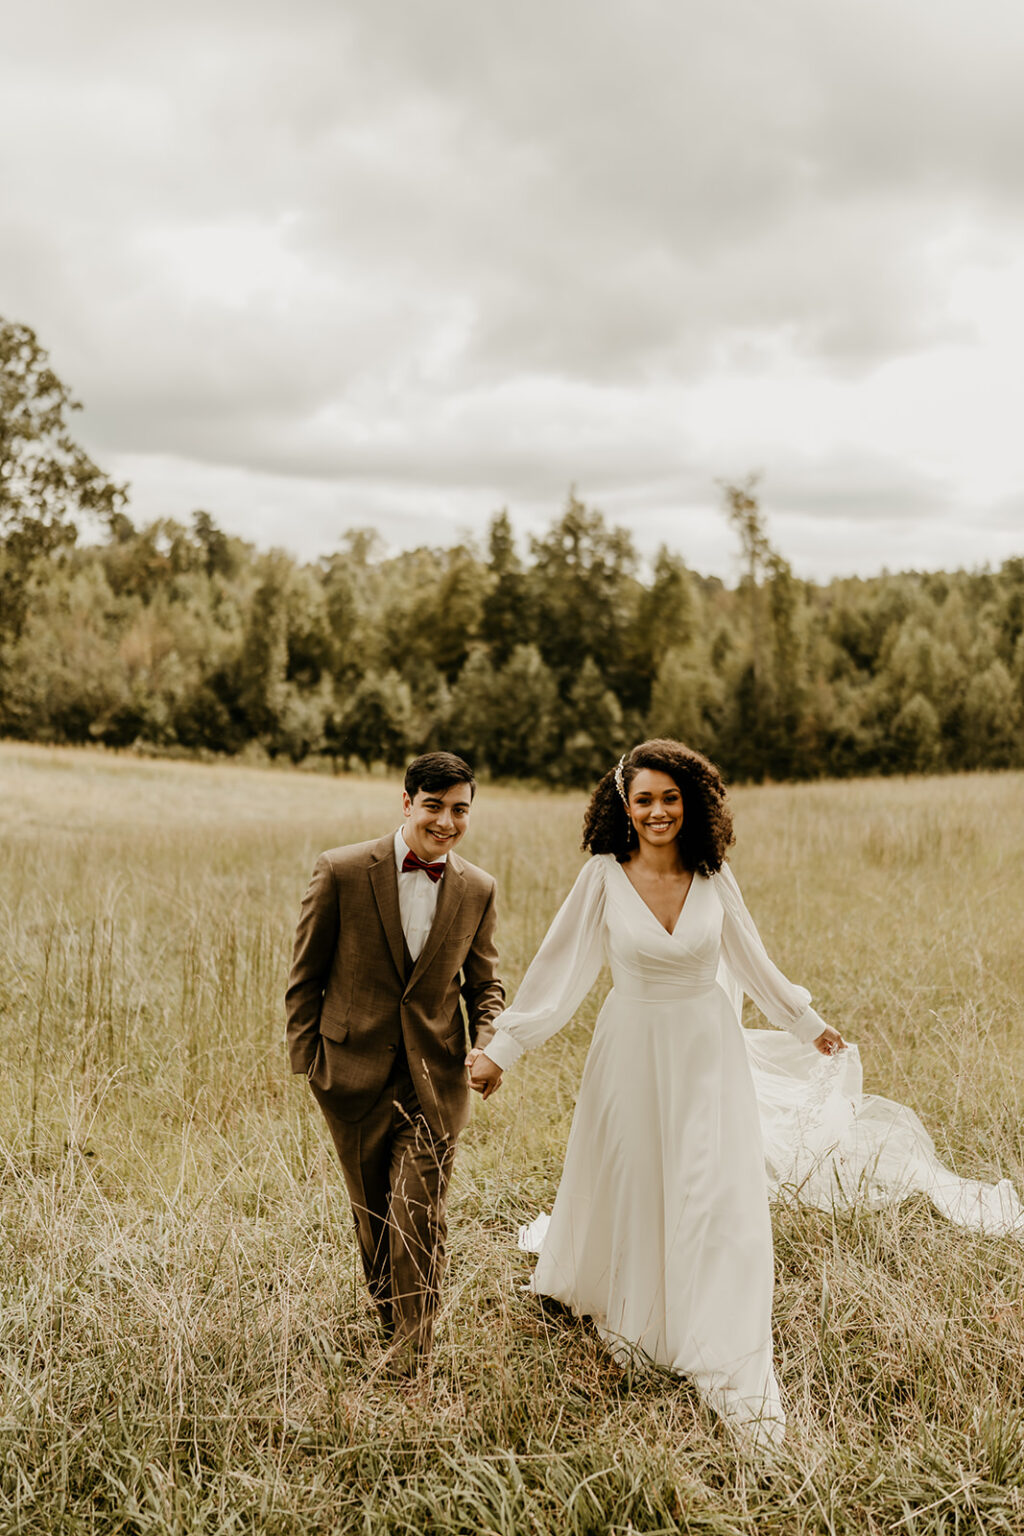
<point>830,1145</point>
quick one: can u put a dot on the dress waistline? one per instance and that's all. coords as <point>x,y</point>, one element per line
<point>633,990</point>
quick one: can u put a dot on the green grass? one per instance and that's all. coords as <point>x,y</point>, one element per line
<point>185,1345</point>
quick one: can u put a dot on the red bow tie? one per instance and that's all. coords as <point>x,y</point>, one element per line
<point>413,861</point>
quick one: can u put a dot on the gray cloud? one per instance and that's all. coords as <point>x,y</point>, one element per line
<point>449,252</point>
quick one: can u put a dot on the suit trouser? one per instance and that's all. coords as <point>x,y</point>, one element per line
<point>397,1173</point>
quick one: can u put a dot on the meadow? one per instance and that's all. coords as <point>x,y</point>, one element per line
<point>185,1345</point>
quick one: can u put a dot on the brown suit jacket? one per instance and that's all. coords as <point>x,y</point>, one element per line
<point>351,986</point>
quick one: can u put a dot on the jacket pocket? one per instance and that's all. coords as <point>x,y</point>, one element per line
<point>333,1029</point>
<point>455,1043</point>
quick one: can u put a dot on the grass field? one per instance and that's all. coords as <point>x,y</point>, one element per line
<point>185,1345</point>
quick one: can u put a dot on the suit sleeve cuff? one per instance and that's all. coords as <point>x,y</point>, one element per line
<point>502,1049</point>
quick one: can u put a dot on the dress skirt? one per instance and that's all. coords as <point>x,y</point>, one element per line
<point>661,1231</point>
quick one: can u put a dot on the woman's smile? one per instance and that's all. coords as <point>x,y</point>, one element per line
<point>656,806</point>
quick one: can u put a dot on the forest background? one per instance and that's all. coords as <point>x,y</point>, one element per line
<point>178,638</point>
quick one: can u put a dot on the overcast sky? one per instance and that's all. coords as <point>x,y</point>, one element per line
<point>402,262</point>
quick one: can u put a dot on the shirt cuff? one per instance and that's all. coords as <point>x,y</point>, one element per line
<point>503,1050</point>
<point>808,1026</point>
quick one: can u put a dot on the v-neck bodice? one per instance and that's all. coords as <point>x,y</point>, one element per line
<point>649,963</point>
<point>670,931</point>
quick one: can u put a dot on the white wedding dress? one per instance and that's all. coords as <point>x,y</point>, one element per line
<point>685,1123</point>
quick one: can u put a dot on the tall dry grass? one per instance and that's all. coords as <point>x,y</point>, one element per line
<point>184,1341</point>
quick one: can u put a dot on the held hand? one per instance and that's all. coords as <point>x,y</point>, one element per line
<point>829,1041</point>
<point>474,1053</point>
<point>484,1074</point>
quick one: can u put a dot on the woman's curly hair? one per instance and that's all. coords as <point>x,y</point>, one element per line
<point>706,832</point>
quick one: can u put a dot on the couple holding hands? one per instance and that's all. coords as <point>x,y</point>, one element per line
<point>685,1122</point>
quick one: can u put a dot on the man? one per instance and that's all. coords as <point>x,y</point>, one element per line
<point>393,937</point>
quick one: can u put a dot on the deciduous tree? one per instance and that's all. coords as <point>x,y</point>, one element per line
<point>47,480</point>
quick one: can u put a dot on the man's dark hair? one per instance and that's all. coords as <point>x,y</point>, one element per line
<point>436,772</point>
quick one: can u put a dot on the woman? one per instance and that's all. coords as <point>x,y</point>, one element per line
<point>661,1230</point>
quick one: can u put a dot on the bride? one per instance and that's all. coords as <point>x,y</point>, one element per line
<point>685,1122</point>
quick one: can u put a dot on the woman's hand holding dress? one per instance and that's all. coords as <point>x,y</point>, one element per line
<point>829,1041</point>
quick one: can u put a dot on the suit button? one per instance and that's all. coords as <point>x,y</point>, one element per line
<point>392,1047</point>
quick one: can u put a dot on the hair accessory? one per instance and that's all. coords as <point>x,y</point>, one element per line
<point>620,783</point>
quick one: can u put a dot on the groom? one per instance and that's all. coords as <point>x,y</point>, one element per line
<point>395,936</point>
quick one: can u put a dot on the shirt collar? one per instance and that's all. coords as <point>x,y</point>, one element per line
<point>402,848</point>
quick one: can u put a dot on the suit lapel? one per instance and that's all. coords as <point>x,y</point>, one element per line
<point>449,900</point>
<point>384,880</point>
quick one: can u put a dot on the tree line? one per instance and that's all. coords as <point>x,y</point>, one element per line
<point>175,636</point>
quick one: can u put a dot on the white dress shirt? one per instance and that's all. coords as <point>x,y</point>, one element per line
<point>417,897</point>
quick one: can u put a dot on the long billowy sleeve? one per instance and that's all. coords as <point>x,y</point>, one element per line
<point>780,1000</point>
<point>561,973</point>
